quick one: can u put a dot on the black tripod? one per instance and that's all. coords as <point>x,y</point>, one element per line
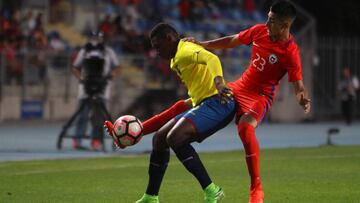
<point>99,114</point>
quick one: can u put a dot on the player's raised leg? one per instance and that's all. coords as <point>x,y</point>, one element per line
<point>155,122</point>
<point>246,130</point>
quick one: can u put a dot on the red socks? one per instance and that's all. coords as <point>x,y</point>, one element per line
<point>252,151</point>
<point>156,122</point>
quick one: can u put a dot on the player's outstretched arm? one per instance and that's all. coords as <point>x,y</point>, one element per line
<point>302,96</point>
<point>230,41</point>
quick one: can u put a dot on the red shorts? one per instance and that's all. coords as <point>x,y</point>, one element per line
<point>252,102</point>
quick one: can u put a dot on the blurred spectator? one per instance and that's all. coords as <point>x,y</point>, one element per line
<point>56,43</point>
<point>4,24</point>
<point>15,29</point>
<point>60,11</point>
<point>39,21</point>
<point>198,11</point>
<point>9,7</point>
<point>28,24</point>
<point>249,6</point>
<point>184,7</point>
<point>214,10</point>
<point>129,25</point>
<point>38,36</point>
<point>150,10</point>
<point>36,70</point>
<point>117,26</point>
<point>348,86</point>
<point>14,70</point>
<point>106,27</point>
<point>132,10</point>
<point>38,43</point>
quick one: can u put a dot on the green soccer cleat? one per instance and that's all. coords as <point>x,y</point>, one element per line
<point>148,199</point>
<point>213,194</point>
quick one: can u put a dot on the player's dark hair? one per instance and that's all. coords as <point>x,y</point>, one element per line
<point>162,29</point>
<point>283,9</point>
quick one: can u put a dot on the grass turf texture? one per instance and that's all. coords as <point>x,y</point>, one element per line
<point>324,174</point>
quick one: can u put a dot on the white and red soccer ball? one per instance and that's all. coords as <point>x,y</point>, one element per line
<point>128,130</point>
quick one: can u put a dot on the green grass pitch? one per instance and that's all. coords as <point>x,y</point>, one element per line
<point>311,175</point>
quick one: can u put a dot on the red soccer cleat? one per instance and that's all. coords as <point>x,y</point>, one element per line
<point>256,195</point>
<point>110,130</point>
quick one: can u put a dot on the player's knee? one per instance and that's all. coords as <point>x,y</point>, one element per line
<point>159,141</point>
<point>170,140</point>
<point>247,118</point>
<point>173,141</point>
<point>243,129</point>
<point>177,140</point>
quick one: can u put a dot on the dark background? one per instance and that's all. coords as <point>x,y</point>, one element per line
<point>334,17</point>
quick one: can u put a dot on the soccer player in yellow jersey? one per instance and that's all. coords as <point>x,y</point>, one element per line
<point>212,108</point>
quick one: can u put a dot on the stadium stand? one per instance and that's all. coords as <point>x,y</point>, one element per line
<point>39,39</point>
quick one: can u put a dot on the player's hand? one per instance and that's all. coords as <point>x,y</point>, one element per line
<point>305,102</point>
<point>110,130</point>
<point>224,91</point>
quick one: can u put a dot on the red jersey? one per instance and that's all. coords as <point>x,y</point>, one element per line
<point>270,61</point>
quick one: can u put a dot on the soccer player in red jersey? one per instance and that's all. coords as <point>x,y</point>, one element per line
<point>274,53</point>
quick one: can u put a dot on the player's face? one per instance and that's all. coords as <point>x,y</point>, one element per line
<point>162,46</point>
<point>275,25</point>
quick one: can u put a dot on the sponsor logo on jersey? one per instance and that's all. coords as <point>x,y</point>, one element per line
<point>273,59</point>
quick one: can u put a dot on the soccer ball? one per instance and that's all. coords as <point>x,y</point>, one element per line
<point>128,130</point>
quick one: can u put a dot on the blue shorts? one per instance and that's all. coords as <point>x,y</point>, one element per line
<point>209,116</point>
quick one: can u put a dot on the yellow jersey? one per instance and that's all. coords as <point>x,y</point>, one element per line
<point>197,69</point>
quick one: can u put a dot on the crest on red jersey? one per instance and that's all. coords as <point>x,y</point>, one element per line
<point>273,59</point>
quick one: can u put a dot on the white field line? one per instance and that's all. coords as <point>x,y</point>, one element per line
<point>92,168</point>
<point>313,157</point>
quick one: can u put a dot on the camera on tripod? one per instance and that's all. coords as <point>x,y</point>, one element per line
<point>93,67</point>
<point>94,81</point>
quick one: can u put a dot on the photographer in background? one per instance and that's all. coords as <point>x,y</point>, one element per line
<point>348,86</point>
<point>95,66</point>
